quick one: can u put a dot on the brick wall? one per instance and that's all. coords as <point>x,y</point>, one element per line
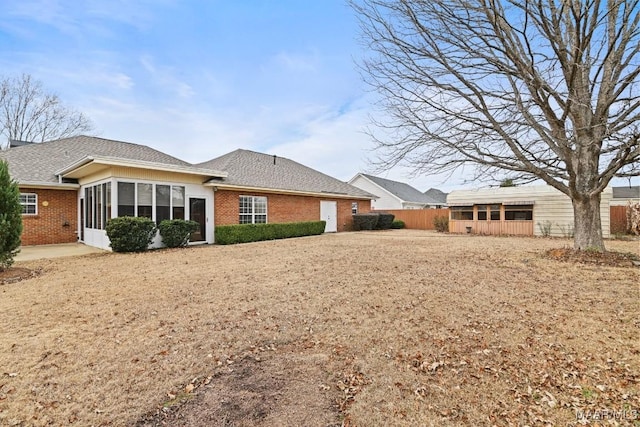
<point>47,227</point>
<point>284,208</point>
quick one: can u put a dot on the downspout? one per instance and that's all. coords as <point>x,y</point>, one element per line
<point>213,220</point>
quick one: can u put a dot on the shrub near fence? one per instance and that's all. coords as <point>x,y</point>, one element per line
<point>418,219</point>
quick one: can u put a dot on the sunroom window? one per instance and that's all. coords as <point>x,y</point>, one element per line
<point>155,201</point>
<point>97,205</point>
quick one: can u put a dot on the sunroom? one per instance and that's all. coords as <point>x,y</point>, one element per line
<point>115,187</point>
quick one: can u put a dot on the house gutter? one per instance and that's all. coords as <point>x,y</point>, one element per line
<point>217,186</point>
<point>140,164</point>
<point>48,185</point>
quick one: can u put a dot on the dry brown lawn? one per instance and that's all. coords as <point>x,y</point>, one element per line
<point>370,329</point>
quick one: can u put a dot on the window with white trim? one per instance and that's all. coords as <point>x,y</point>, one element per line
<point>29,203</point>
<point>253,210</point>
<point>137,199</point>
<point>97,206</point>
<point>354,208</point>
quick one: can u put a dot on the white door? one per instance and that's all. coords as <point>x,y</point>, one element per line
<point>329,213</point>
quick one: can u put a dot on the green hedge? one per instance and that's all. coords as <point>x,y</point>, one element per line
<point>130,234</point>
<point>385,220</point>
<point>372,221</point>
<point>175,232</point>
<point>397,224</point>
<point>244,233</point>
<point>365,221</point>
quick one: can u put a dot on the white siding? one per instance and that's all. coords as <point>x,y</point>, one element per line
<point>385,199</point>
<point>409,205</point>
<point>549,204</point>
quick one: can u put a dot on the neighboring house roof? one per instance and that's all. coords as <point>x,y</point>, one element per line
<point>437,195</point>
<point>41,163</point>
<point>626,193</point>
<point>402,191</point>
<point>257,171</point>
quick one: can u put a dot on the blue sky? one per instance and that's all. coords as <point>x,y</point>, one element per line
<point>199,78</point>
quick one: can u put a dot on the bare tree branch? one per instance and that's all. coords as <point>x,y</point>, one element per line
<point>29,113</point>
<point>544,89</point>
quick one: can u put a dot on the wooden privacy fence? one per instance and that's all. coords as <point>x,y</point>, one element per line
<point>417,219</point>
<point>618,219</point>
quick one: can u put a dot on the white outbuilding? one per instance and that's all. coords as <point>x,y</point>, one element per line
<point>526,211</point>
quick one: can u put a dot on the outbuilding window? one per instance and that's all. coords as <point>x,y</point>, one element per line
<point>495,212</point>
<point>354,208</point>
<point>464,213</point>
<point>482,212</point>
<point>518,212</point>
<point>29,203</point>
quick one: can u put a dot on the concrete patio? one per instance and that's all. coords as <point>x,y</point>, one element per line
<point>30,253</point>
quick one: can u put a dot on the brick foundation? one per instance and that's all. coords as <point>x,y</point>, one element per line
<point>55,223</point>
<point>285,208</point>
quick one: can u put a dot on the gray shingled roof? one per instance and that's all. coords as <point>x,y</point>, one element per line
<point>440,197</point>
<point>257,170</point>
<point>626,193</point>
<point>39,162</point>
<point>403,191</point>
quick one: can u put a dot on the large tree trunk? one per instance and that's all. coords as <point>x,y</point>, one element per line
<point>588,225</point>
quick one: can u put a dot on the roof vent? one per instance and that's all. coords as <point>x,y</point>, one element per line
<point>274,159</point>
<point>17,143</point>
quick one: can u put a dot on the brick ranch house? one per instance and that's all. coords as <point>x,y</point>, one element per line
<point>70,187</point>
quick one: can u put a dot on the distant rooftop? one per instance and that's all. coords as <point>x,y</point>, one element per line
<point>437,195</point>
<point>626,193</point>
<point>404,191</point>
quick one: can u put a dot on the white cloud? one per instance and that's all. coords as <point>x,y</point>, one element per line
<point>165,78</point>
<point>297,61</point>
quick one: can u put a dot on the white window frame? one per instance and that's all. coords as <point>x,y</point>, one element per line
<point>253,209</point>
<point>24,202</point>
<point>354,208</point>
<point>153,197</point>
<point>102,215</point>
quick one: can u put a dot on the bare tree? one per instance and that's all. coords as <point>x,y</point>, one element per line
<point>528,89</point>
<point>29,113</point>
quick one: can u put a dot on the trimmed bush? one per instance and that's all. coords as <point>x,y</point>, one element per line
<point>397,224</point>
<point>245,233</point>
<point>441,223</point>
<point>384,221</point>
<point>130,234</point>
<point>175,232</point>
<point>10,217</point>
<point>366,221</point>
